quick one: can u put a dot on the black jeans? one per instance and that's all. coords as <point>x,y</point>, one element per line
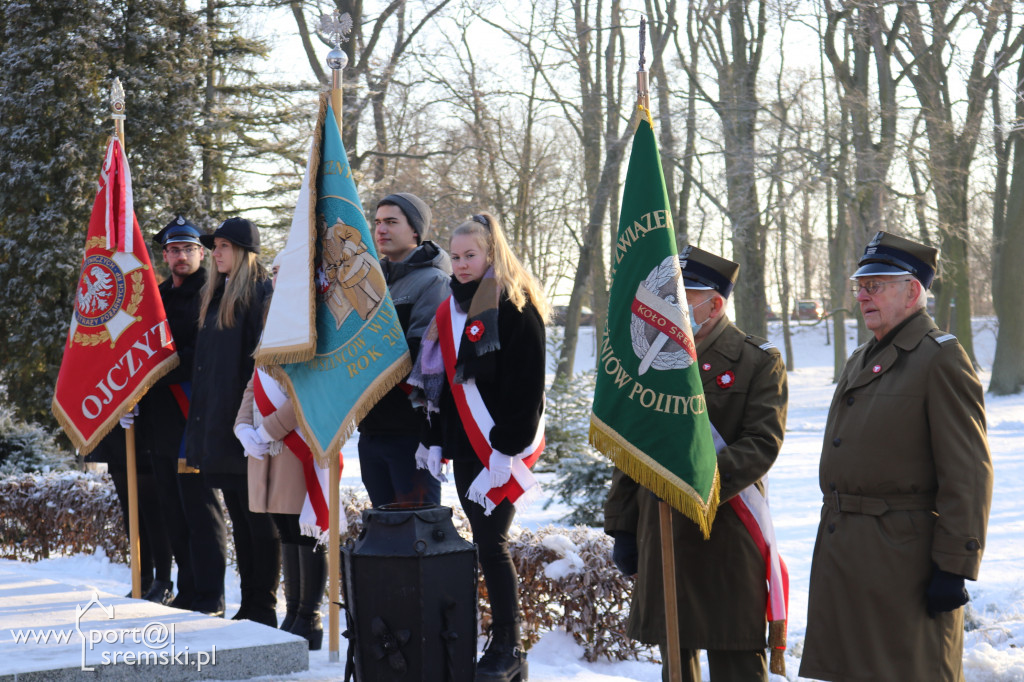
<point>490,533</point>
<point>387,463</point>
<point>154,545</point>
<point>257,551</point>
<point>207,542</point>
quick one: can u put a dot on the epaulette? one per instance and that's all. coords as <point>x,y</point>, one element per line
<point>763,344</point>
<point>940,337</point>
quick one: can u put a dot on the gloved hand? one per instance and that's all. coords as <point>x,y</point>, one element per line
<point>264,435</point>
<point>422,453</point>
<point>129,418</point>
<point>251,442</point>
<point>501,469</point>
<point>625,554</point>
<point>435,464</point>
<point>946,592</point>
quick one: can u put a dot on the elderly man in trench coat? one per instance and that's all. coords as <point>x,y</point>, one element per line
<point>907,480</point>
<point>720,582</point>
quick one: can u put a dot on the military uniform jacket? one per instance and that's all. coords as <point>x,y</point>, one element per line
<point>721,581</point>
<point>907,481</point>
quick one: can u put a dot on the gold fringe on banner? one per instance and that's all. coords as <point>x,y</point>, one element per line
<point>649,473</point>
<point>85,446</point>
<point>370,397</point>
<point>777,645</point>
<point>303,352</point>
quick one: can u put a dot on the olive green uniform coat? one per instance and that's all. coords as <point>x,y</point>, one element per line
<point>907,481</point>
<point>721,581</point>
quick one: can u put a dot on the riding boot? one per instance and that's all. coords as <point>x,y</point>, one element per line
<point>313,569</point>
<point>504,659</point>
<point>292,583</point>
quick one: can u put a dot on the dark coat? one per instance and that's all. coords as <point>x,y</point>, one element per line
<point>906,431</point>
<point>720,582</point>
<point>514,395</point>
<point>160,425</point>
<point>417,286</point>
<point>222,367</point>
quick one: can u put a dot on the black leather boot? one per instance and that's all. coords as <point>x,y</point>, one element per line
<point>160,592</point>
<point>504,659</point>
<point>313,569</point>
<point>291,578</point>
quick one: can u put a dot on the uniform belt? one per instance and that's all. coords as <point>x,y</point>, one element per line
<point>876,506</point>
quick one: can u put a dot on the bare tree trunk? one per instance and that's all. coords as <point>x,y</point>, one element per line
<point>1008,280</point>
<point>950,150</point>
<point>737,106</point>
<point>839,250</point>
<point>865,44</point>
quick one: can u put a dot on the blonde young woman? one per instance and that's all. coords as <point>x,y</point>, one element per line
<point>230,322</point>
<point>278,486</point>
<point>481,372</point>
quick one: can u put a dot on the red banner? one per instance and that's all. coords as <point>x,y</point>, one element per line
<point>119,343</point>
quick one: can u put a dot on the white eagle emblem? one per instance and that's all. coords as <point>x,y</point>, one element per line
<point>99,291</point>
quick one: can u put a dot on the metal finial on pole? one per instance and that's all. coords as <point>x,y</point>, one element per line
<point>117,108</point>
<point>337,28</point>
<point>643,40</point>
<point>643,94</point>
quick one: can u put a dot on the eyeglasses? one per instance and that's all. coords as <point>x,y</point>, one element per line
<point>174,251</point>
<point>873,286</point>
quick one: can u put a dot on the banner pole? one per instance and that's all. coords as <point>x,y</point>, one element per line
<point>337,26</point>
<point>668,556</point>
<point>668,570</point>
<point>117,112</point>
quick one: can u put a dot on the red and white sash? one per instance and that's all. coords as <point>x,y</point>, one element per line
<point>315,515</point>
<point>752,509</point>
<point>477,422</point>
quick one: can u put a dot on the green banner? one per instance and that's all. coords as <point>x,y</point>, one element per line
<point>649,413</point>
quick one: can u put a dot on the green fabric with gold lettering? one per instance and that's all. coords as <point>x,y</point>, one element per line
<point>649,414</point>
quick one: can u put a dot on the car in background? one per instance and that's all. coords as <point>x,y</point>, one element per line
<point>808,310</point>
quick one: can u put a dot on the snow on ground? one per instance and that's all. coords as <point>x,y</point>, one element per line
<point>993,649</point>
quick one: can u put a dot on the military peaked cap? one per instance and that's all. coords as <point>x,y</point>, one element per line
<point>708,272</point>
<point>887,254</point>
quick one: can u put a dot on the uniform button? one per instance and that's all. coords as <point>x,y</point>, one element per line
<point>972,545</point>
<point>831,486</point>
<point>850,400</point>
<point>726,477</point>
<point>837,441</point>
<point>831,528</point>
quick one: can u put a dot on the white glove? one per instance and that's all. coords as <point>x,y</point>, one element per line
<point>436,464</point>
<point>251,442</point>
<point>129,418</point>
<point>422,453</point>
<point>264,435</point>
<point>501,469</point>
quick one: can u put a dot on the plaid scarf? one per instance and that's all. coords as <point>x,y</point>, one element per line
<point>477,357</point>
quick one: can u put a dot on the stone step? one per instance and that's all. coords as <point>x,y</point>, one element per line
<point>54,631</point>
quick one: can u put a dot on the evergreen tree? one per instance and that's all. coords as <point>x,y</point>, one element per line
<point>253,137</point>
<point>156,48</point>
<point>52,90</point>
<point>58,60</point>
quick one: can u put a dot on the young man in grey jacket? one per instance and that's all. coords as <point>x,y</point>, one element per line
<point>418,273</point>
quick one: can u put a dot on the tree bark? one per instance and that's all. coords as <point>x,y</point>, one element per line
<point>1008,278</point>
